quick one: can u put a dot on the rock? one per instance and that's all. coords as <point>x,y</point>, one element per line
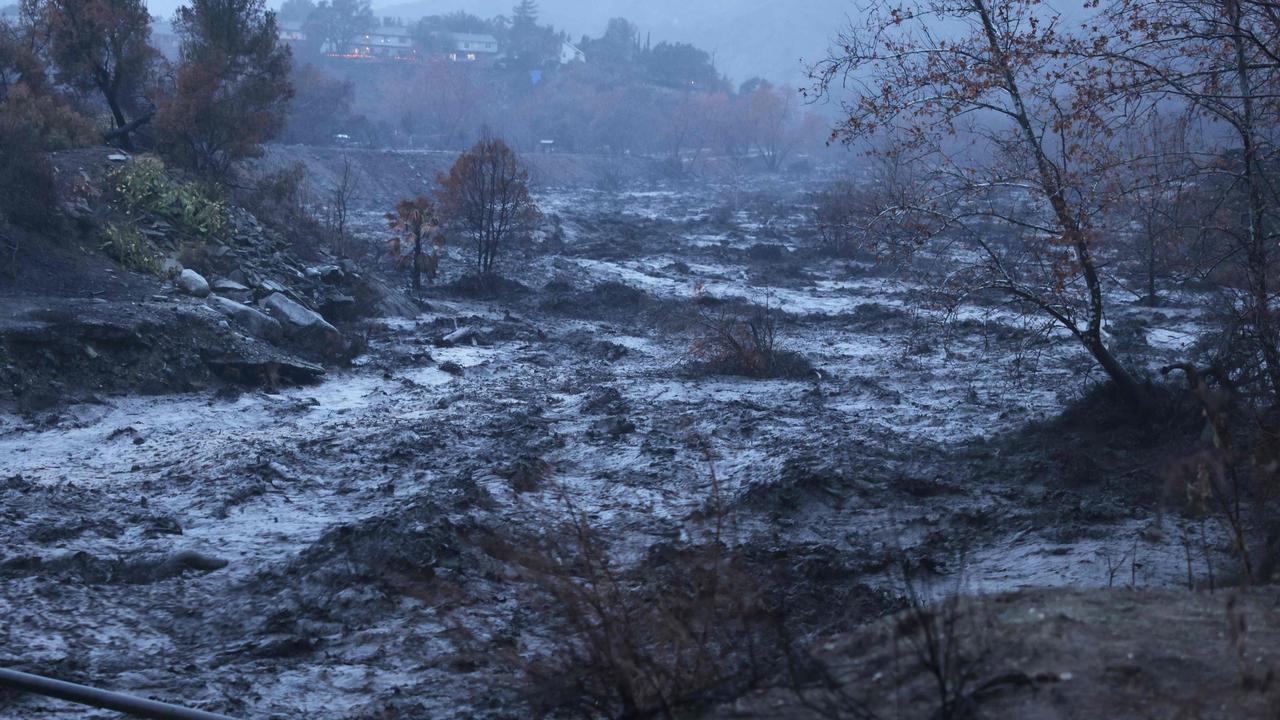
<point>227,285</point>
<point>192,560</point>
<point>304,325</point>
<point>611,427</point>
<point>250,319</point>
<point>170,266</point>
<point>328,273</point>
<point>452,368</point>
<point>393,304</point>
<point>605,401</point>
<point>292,314</point>
<point>193,283</point>
<point>460,335</point>
<point>77,209</point>
<point>232,289</point>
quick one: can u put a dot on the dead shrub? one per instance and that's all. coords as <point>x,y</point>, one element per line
<point>28,193</point>
<point>1235,476</point>
<point>196,256</point>
<point>936,636</point>
<point>734,342</point>
<point>835,210</point>
<point>938,656</point>
<point>281,200</point>
<point>680,632</point>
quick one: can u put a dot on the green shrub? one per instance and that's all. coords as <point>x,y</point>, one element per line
<point>144,187</point>
<point>131,249</point>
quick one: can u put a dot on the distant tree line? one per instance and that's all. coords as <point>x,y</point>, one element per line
<point>629,96</point>
<point>526,44</point>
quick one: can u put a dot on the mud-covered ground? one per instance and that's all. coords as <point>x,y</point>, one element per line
<point>366,523</point>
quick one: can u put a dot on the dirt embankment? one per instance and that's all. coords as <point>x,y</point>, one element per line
<point>384,176</point>
<point>1049,654</point>
<point>123,292</point>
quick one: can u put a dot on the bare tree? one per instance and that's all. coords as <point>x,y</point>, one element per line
<point>344,194</point>
<point>776,127</point>
<point>1221,59</point>
<point>1010,143</point>
<point>1160,197</point>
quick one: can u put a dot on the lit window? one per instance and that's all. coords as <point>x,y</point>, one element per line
<point>453,56</point>
<point>471,56</point>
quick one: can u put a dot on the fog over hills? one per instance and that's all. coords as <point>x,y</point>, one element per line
<point>748,37</point>
<point>767,38</point>
<point>775,39</point>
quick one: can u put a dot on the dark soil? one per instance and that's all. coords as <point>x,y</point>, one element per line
<point>1051,654</point>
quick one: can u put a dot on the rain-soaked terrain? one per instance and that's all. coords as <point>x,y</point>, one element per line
<point>366,522</point>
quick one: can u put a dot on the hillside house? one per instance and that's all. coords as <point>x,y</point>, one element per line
<point>290,32</point>
<point>570,53</point>
<point>471,47</point>
<point>387,42</point>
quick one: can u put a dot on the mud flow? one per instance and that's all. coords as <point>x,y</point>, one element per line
<point>409,534</point>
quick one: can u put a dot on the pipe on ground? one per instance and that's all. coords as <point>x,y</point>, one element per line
<point>105,699</point>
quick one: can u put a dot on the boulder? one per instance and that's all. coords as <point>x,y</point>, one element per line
<point>392,303</point>
<point>303,324</point>
<point>328,273</point>
<point>337,305</point>
<point>459,336</point>
<point>250,319</point>
<point>611,427</point>
<point>227,285</point>
<point>232,289</point>
<point>193,283</point>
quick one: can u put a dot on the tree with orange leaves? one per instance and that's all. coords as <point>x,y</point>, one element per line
<point>415,224</point>
<point>486,195</point>
<point>231,89</point>
<point>104,45</point>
